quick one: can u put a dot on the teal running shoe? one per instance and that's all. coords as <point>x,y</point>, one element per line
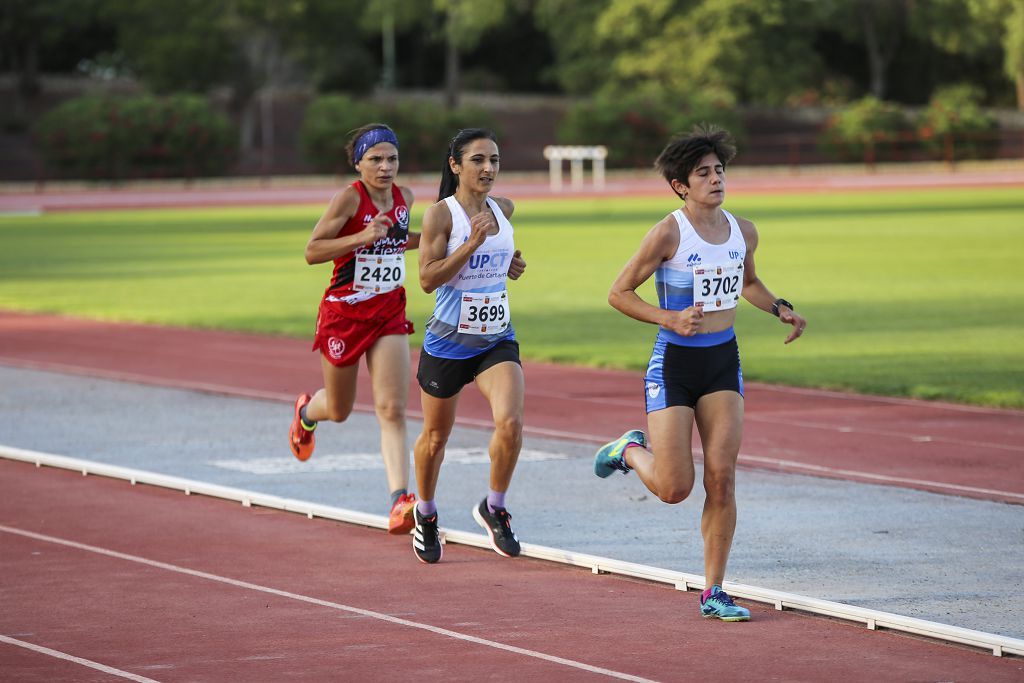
<point>610,456</point>
<point>720,605</point>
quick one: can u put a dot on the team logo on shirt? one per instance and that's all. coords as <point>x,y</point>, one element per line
<point>693,259</point>
<point>336,347</point>
<point>402,215</point>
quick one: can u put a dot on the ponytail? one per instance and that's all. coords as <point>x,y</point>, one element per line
<point>450,181</point>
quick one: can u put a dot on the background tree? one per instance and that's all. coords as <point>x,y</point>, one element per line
<point>737,50</point>
<point>465,22</point>
<point>580,65</point>
<point>879,26</point>
<point>30,31</point>
<point>978,26</point>
<point>388,17</point>
<point>175,46</point>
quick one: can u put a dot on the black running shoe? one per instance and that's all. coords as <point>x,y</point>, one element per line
<point>503,539</point>
<point>426,542</point>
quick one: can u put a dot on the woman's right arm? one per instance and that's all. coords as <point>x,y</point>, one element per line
<point>657,246</point>
<point>325,245</point>
<point>436,265</point>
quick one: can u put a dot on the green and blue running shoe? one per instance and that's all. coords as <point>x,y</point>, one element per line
<point>610,457</point>
<point>721,606</point>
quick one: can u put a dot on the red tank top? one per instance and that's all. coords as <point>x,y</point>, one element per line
<point>394,242</point>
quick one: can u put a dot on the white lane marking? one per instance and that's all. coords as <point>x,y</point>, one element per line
<point>226,390</point>
<point>781,419</point>
<point>77,660</point>
<point>788,465</point>
<point>322,603</point>
<point>805,468</point>
<point>366,461</point>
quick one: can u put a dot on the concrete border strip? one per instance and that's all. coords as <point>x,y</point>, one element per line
<point>873,619</point>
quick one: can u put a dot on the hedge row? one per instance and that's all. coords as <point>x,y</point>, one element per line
<point>952,123</point>
<point>424,130</point>
<point>183,136</point>
<point>142,136</point>
<point>636,126</point>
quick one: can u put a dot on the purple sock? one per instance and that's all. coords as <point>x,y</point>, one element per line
<point>426,508</point>
<point>495,499</point>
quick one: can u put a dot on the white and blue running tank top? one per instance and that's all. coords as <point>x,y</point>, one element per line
<point>485,272</point>
<point>674,277</point>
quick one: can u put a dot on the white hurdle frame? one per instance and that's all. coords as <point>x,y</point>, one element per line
<point>998,645</point>
<point>576,154</point>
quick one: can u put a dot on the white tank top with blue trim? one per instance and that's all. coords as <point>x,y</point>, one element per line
<point>471,311</point>
<point>716,268</point>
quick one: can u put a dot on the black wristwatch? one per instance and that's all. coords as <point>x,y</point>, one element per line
<point>780,302</point>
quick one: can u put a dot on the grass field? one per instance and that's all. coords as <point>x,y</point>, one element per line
<point>907,293</point>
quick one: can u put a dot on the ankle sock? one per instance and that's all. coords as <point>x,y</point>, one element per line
<point>426,508</point>
<point>306,424</point>
<point>495,499</point>
<point>396,494</point>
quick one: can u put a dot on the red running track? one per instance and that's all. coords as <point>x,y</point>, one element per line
<point>944,448</point>
<point>157,585</point>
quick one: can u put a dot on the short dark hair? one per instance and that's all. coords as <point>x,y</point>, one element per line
<point>683,152</point>
<point>354,135</point>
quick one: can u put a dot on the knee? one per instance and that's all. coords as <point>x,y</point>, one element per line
<point>676,492</point>
<point>510,428</point>
<point>390,411</point>
<point>720,486</point>
<point>430,444</point>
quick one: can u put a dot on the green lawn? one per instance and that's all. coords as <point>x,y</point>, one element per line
<point>906,293</point>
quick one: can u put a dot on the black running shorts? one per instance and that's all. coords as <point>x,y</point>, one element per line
<point>445,377</point>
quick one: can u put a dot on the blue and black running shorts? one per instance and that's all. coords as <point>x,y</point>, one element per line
<point>680,375</point>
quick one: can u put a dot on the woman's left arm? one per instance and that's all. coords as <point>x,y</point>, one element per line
<point>517,266</point>
<point>758,294</point>
<point>414,237</point>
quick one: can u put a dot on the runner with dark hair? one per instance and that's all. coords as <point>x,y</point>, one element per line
<point>467,254</point>
<point>365,232</point>
<point>702,260</point>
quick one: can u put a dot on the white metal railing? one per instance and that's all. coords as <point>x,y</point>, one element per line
<point>576,155</point>
<point>873,619</point>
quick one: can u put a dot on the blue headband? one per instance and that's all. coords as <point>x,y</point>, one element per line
<point>371,138</point>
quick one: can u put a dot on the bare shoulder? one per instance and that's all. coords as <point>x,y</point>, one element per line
<point>437,217</point>
<point>662,239</point>
<point>345,201</point>
<point>748,231</point>
<point>407,195</point>
<point>666,230</point>
<point>506,205</point>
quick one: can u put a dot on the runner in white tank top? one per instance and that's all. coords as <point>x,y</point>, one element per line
<point>702,259</point>
<point>466,255</point>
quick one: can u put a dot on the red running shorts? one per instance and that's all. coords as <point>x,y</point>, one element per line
<point>343,334</point>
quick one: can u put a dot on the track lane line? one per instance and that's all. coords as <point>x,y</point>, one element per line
<point>321,603</point>
<point>777,464</point>
<point>77,660</point>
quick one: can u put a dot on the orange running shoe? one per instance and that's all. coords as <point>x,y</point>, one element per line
<point>301,439</point>
<point>400,520</point>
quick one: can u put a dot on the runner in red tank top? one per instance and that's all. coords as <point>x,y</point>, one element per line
<point>365,231</point>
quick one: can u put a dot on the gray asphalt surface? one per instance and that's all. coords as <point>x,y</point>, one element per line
<point>953,560</point>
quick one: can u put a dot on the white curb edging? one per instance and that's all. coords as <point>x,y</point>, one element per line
<point>873,619</point>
